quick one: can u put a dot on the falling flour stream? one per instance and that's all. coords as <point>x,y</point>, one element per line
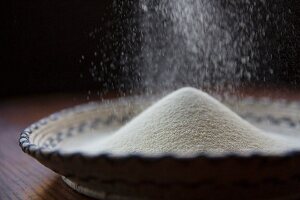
<point>205,44</point>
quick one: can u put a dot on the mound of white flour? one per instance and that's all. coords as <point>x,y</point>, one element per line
<point>190,121</point>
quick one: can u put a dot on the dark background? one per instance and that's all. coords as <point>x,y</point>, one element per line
<point>44,41</point>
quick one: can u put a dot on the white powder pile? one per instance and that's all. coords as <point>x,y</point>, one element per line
<point>190,121</point>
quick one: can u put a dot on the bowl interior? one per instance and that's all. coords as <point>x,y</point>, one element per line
<point>77,129</point>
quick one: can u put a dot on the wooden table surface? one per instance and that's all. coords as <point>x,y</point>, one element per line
<point>22,177</point>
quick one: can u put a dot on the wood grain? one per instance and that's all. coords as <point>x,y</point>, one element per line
<point>22,177</point>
